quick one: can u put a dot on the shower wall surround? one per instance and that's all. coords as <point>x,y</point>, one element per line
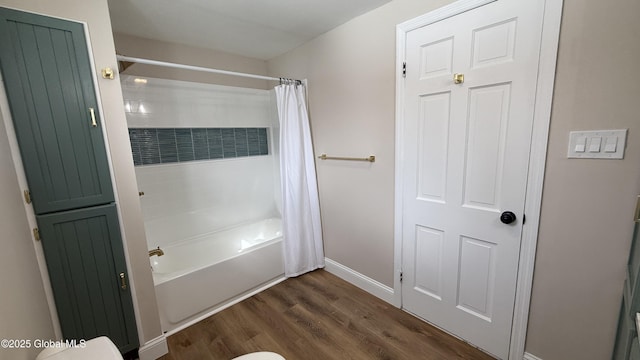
<point>206,156</point>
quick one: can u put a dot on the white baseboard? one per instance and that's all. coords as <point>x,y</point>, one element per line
<point>363,282</point>
<point>154,349</point>
<point>528,356</point>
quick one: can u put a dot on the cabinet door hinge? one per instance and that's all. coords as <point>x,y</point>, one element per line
<point>404,69</point>
<point>400,276</point>
<point>27,196</point>
<point>36,234</point>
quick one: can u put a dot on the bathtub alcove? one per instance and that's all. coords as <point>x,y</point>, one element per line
<point>206,163</point>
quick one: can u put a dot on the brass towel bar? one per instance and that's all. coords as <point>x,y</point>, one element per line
<point>370,158</point>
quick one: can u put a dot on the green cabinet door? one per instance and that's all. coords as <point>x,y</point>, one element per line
<point>88,273</point>
<point>47,74</point>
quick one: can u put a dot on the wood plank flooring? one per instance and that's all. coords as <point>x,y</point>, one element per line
<point>316,316</point>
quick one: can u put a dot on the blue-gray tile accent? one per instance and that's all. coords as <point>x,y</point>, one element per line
<point>253,142</point>
<point>185,145</point>
<point>262,141</point>
<point>170,145</point>
<point>229,143</point>
<point>149,147</point>
<point>135,146</point>
<point>215,143</point>
<point>242,148</point>
<point>200,144</point>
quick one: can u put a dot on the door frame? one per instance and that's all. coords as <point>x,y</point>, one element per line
<point>537,156</point>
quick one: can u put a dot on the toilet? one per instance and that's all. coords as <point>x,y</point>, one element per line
<point>262,355</point>
<point>100,348</point>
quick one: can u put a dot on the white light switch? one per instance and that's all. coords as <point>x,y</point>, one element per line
<point>599,144</point>
<point>594,146</point>
<point>581,144</point>
<point>611,144</point>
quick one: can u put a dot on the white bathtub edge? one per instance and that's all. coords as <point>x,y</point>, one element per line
<point>364,282</point>
<point>224,306</point>
<point>154,349</point>
<point>528,356</point>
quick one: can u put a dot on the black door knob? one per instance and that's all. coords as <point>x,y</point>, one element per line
<point>507,217</point>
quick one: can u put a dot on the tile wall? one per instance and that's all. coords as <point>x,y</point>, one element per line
<point>175,127</point>
<point>170,145</point>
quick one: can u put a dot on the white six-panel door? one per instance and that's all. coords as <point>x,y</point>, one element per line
<point>466,151</point>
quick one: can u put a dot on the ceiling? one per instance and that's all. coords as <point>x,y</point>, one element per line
<point>261,29</point>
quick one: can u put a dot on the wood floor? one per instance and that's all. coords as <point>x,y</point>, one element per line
<point>316,316</point>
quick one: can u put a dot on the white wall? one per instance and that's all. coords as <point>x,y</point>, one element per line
<point>96,15</point>
<point>187,199</point>
<point>587,207</point>
<point>587,204</point>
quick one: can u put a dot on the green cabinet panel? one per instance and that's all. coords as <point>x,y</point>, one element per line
<point>633,272</point>
<point>626,345</point>
<point>627,334</point>
<point>47,73</point>
<point>88,273</point>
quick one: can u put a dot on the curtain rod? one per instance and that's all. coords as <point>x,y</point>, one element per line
<point>195,68</point>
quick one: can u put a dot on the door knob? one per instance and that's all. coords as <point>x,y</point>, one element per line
<point>507,217</point>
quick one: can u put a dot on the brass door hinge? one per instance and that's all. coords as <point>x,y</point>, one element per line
<point>36,234</point>
<point>27,196</point>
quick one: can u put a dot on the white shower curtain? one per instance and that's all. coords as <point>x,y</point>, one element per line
<point>301,229</point>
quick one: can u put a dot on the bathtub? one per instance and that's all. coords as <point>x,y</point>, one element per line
<point>197,277</point>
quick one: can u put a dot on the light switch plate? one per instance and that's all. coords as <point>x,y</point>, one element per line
<point>597,144</point>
